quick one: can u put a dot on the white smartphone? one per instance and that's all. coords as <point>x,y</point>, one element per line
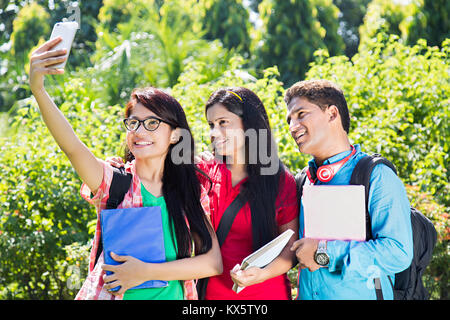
<point>67,31</point>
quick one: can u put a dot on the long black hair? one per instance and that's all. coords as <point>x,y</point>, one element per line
<point>181,185</point>
<point>261,189</point>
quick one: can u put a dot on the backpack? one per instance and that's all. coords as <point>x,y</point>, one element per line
<point>408,283</point>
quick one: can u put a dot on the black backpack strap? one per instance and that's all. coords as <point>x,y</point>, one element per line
<point>120,184</point>
<point>378,290</point>
<point>228,216</point>
<point>222,231</point>
<point>300,179</point>
<point>361,176</point>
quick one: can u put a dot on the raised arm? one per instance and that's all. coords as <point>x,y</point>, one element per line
<point>84,162</point>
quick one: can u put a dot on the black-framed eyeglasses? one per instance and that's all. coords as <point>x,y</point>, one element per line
<point>150,124</point>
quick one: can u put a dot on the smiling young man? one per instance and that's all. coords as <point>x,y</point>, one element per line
<point>319,122</point>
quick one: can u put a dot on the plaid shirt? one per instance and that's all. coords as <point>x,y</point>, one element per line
<point>93,285</point>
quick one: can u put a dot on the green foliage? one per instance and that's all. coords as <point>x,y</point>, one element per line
<point>253,4</point>
<point>115,12</point>
<point>352,14</point>
<point>328,16</point>
<point>437,275</point>
<point>151,47</point>
<point>84,43</point>
<point>398,101</point>
<point>430,21</point>
<point>290,35</point>
<point>383,16</point>
<point>41,210</point>
<point>227,21</point>
<point>30,26</point>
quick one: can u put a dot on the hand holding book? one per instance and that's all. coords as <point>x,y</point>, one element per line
<point>246,277</point>
<point>130,273</point>
<point>251,271</point>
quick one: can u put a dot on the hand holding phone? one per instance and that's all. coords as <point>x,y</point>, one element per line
<point>51,57</point>
<point>65,30</point>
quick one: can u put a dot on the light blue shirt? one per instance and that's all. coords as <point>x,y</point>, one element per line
<point>353,264</point>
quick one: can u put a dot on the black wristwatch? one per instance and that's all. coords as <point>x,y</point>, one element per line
<point>321,256</point>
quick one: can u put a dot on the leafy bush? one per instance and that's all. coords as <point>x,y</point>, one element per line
<point>42,213</point>
<point>437,275</point>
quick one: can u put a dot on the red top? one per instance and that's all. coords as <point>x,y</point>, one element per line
<point>238,243</point>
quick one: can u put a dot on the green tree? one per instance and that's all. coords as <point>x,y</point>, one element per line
<point>47,13</point>
<point>87,11</point>
<point>58,11</point>
<point>383,16</point>
<point>253,4</point>
<point>228,21</point>
<point>351,17</point>
<point>152,46</point>
<point>29,27</point>
<point>328,16</point>
<point>7,15</point>
<point>291,33</point>
<point>398,99</point>
<point>114,12</point>
<point>430,21</point>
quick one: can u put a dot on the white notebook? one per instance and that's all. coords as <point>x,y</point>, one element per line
<point>265,255</point>
<point>334,212</point>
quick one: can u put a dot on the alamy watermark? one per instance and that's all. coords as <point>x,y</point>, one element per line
<point>74,12</point>
<point>74,281</point>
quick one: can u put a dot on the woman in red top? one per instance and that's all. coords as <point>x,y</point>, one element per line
<point>246,156</point>
<point>248,159</point>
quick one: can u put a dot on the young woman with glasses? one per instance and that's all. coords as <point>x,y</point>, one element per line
<point>154,122</point>
<point>246,157</point>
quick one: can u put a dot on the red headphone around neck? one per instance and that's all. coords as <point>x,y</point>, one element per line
<point>327,172</point>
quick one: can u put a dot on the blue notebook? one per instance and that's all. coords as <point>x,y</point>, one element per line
<point>135,232</point>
